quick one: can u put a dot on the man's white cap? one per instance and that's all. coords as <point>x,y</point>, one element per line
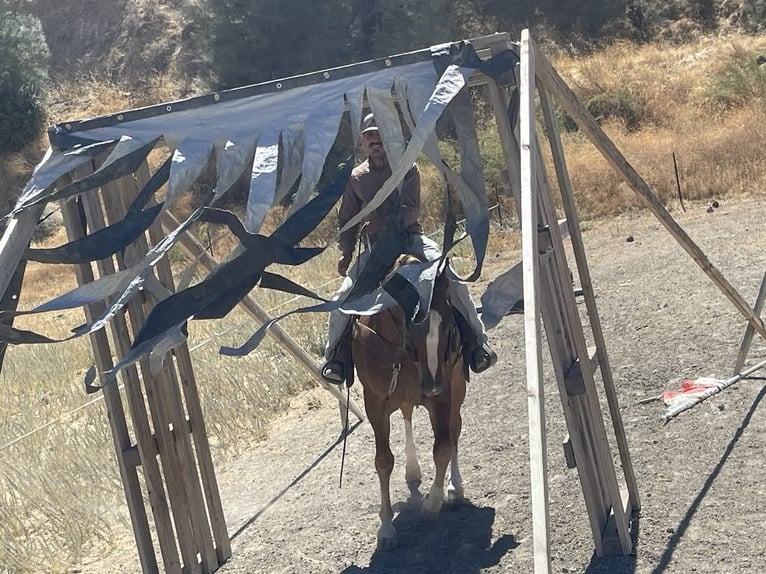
<point>368,124</point>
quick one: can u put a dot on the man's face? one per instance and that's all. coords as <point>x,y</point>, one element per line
<point>372,144</point>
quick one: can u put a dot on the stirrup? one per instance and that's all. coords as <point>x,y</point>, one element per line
<point>482,358</point>
<point>332,372</point>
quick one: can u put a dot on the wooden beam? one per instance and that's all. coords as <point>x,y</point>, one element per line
<point>102,354</point>
<point>194,409</point>
<point>538,459</point>
<point>578,247</point>
<point>747,339</point>
<point>146,441</point>
<point>15,241</point>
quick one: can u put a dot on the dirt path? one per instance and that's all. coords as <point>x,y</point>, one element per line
<point>700,477</point>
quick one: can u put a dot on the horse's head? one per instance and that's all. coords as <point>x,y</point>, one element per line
<point>439,349</point>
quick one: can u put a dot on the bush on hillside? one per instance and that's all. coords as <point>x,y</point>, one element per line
<point>23,71</point>
<point>742,81</point>
<point>22,113</point>
<point>608,106</point>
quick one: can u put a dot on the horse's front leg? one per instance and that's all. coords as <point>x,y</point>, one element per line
<point>443,450</point>
<point>455,486</point>
<point>412,473</point>
<point>384,464</point>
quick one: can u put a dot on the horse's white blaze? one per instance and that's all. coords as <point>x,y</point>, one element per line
<point>432,342</point>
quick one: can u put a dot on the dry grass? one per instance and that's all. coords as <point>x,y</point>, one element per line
<point>60,496</point>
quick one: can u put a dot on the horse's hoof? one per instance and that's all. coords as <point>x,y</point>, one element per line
<point>432,505</point>
<point>455,494</point>
<point>387,539</point>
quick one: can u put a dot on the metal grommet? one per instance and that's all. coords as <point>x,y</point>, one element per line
<point>169,108</point>
<point>279,85</point>
<point>216,97</point>
<point>68,126</point>
<point>326,75</point>
<point>388,62</point>
<point>120,117</point>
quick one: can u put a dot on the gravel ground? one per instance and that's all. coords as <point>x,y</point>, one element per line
<point>700,477</point>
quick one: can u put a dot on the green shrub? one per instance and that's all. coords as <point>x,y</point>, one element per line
<point>617,106</point>
<point>23,72</point>
<point>22,113</point>
<point>606,106</point>
<point>754,15</point>
<point>23,48</point>
<point>742,81</point>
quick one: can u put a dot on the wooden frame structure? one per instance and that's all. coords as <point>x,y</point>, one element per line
<point>168,440</point>
<point>610,501</point>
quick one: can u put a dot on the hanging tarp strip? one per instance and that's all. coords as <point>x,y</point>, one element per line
<point>470,190</point>
<point>158,179</point>
<point>55,166</point>
<point>232,159</point>
<point>263,181</point>
<point>503,295</point>
<point>126,158</point>
<point>220,291</point>
<point>278,283</point>
<point>100,244</point>
<point>189,161</point>
<point>320,131</point>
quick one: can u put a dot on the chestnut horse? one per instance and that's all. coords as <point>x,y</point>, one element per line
<point>400,368</point>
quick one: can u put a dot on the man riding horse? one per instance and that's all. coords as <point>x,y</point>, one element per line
<point>366,179</point>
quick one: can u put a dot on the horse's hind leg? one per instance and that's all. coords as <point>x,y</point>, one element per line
<point>443,450</point>
<point>412,472</point>
<point>384,465</point>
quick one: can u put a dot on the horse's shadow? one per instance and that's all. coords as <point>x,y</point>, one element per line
<point>458,540</point>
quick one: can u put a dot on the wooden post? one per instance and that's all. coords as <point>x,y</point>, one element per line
<point>747,339</point>
<point>538,460</point>
<point>578,248</point>
<point>196,505</point>
<point>195,508</point>
<point>76,228</point>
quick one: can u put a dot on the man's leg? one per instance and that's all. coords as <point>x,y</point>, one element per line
<point>337,321</point>
<point>480,355</point>
<point>332,370</point>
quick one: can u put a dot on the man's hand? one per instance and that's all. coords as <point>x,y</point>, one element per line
<point>343,264</point>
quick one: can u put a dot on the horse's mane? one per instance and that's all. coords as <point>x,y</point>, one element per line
<point>401,261</point>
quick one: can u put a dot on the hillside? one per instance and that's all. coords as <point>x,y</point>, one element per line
<point>123,41</point>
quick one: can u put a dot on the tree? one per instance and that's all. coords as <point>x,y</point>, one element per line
<point>260,40</point>
<point>23,71</point>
